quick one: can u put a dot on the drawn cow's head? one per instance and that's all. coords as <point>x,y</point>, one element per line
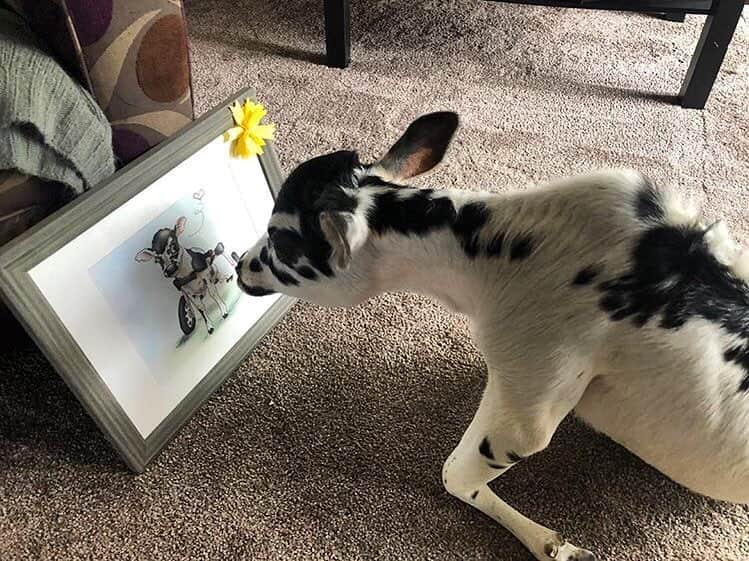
<point>165,249</point>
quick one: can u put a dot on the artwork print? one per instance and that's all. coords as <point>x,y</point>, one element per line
<point>173,283</point>
<point>157,304</point>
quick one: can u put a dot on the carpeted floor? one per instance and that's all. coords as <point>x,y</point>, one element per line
<point>327,443</point>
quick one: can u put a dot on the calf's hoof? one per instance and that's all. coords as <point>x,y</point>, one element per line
<point>226,315</point>
<point>210,330</point>
<point>568,552</point>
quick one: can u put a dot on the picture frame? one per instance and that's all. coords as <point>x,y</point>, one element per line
<point>96,308</point>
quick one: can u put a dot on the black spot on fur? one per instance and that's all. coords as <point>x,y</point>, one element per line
<point>417,213</point>
<point>513,457</point>
<point>336,199</point>
<point>324,268</point>
<point>740,356</point>
<point>522,247</point>
<point>420,212</point>
<point>257,291</point>
<point>264,255</point>
<point>612,302</point>
<point>255,265</point>
<point>306,272</point>
<point>369,180</point>
<point>253,290</point>
<point>496,466</point>
<point>586,275</point>
<point>675,277</point>
<point>474,494</point>
<point>288,245</point>
<point>304,188</point>
<point>648,206</point>
<point>494,249</point>
<point>282,276</point>
<point>468,223</point>
<point>485,449</point>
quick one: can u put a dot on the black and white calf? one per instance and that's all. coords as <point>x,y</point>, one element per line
<point>192,270</point>
<point>600,294</point>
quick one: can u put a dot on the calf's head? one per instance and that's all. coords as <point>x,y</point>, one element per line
<point>318,242</point>
<point>165,249</point>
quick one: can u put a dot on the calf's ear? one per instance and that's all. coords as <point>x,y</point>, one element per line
<point>345,232</point>
<point>179,227</point>
<point>421,147</point>
<point>144,255</point>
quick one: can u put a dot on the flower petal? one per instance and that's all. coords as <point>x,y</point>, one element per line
<point>249,135</point>
<point>264,131</point>
<point>253,115</point>
<point>257,140</point>
<point>237,150</point>
<point>236,111</point>
<point>233,133</point>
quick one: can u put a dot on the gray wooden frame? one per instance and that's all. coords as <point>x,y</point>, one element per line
<point>30,307</point>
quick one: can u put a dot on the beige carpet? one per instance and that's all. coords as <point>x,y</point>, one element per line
<point>327,443</point>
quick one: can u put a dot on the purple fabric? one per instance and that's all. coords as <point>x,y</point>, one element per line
<point>91,19</point>
<point>128,145</point>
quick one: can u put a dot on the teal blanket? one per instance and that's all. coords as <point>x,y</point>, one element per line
<point>50,127</point>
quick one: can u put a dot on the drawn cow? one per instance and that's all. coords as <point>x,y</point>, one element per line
<point>192,271</point>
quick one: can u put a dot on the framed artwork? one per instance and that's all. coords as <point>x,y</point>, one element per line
<point>130,290</point>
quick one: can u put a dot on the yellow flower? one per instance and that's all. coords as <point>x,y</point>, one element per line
<point>248,135</point>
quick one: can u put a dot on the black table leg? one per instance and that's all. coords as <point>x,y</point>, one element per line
<point>678,17</point>
<point>708,56</point>
<point>338,33</point>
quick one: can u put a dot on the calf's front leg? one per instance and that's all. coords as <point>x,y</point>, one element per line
<point>500,436</point>
<point>213,292</point>
<point>199,304</point>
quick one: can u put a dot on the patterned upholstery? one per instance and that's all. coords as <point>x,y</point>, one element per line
<point>133,57</point>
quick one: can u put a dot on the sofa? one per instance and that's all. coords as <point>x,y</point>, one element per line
<point>132,57</point>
